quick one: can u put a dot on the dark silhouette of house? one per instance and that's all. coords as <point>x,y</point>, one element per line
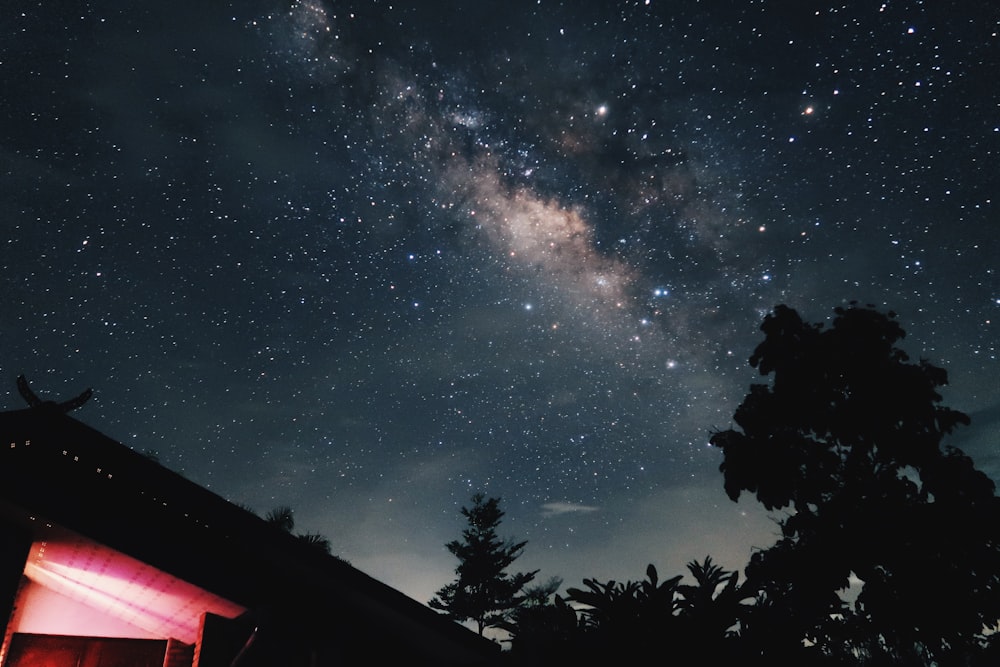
<point>108,558</point>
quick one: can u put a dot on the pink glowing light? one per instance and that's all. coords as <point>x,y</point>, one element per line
<point>80,587</point>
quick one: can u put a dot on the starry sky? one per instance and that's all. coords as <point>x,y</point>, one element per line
<point>366,259</point>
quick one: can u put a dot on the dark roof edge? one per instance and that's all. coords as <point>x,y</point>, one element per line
<point>146,494</point>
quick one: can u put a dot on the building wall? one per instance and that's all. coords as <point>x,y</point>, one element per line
<point>57,651</point>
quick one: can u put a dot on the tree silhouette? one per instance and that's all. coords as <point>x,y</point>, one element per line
<point>624,607</point>
<point>626,622</point>
<point>847,437</point>
<point>542,627</point>
<point>535,603</point>
<point>483,592</point>
<point>711,610</point>
<point>623,622</point>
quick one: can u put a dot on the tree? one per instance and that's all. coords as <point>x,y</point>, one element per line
<point>848,437</point>
<point>483,592</point>
<point>627,622</point>
<point>631,608</point>
<point>543,627</point>
<point>623,622</point>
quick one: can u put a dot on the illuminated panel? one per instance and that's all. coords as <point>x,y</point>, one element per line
<point>121,590</point>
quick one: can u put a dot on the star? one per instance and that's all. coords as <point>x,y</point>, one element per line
<point>284,246</point>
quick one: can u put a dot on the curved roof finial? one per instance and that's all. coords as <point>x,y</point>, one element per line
<point>34,401</point>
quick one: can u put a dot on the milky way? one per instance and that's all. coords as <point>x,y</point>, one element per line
<point>366,260</point>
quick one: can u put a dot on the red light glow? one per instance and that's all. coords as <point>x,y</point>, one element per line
<point>77,587</point>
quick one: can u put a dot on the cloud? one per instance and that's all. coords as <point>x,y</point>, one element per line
<point>560,508</point>
<point>669,528</point>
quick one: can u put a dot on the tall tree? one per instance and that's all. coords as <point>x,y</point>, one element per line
<point>848,437</point>
<point>483,592</point>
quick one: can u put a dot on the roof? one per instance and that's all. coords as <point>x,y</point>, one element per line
<point>61,470</point>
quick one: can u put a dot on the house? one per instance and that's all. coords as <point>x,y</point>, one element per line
<point>107,558</point>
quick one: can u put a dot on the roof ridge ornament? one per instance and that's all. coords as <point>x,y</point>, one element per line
<point>34,401</point>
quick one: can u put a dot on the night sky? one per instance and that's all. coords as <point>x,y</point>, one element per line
<point>366,259</point>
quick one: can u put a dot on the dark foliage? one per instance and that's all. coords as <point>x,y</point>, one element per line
<point>542,626</point>
<point>848,436</point>
<point>627,622</point>
<point>283,518</point>
<point>890,541</point>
